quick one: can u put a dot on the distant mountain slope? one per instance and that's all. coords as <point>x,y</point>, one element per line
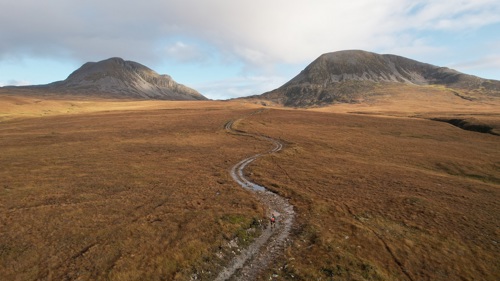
<point>118,78</point>
<point>347,76</point>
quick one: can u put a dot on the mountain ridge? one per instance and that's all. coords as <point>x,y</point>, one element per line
<point>118,78</point>
<point>346,76</point>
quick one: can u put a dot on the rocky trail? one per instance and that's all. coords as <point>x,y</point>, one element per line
<point>271,243</point>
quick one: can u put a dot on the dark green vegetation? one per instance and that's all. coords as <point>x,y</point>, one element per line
<point>470,124</point>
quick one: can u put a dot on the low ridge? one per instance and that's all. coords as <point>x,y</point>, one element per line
<point>346,76</point>
<point>118,78</point>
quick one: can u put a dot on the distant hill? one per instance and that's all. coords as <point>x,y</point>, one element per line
<point>348,76</point>
<point>117,78</point>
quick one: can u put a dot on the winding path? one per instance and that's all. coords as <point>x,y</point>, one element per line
<point>271,243</point>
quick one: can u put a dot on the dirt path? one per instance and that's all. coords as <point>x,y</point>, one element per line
<point>270,244</point>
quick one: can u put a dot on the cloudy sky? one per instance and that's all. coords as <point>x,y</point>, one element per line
<point>228,48</point>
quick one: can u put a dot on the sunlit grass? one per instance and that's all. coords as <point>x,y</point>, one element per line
<point>374,202</point>
<point>137,195</point>
<point>142,191</point>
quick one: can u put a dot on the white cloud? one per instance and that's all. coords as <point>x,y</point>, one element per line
<point>412,47</point>
<point>257,34</point>
<point>266,32</point>
<point>14,83</point>
<point>240,86</point>
<point>455,14</point>
<point>490,62</point>
<point>183,52</point>
<point>257,31</point>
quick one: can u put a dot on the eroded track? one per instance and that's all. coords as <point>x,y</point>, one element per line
<point>270,244</point>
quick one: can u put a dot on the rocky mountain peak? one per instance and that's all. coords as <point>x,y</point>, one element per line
<point>118,78</point>
<point>345,76</point>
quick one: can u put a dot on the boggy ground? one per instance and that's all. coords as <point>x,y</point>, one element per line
<point>381,198</point>
<point>143,194</point>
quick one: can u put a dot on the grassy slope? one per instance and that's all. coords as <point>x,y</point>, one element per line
<point>427,103</point>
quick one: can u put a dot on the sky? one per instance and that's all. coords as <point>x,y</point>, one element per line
<point>227,48</point>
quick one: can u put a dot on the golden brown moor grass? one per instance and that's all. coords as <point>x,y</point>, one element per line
<point>408,100</point>
<point>15,104</point>
<point>141,191</point>
<point>125,195</point>
<point>383,198</point>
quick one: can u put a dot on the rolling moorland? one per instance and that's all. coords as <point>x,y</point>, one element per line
<point>115,190</point>
<point>391,165</point>
<point>383,198</point>
<point>121,194</point>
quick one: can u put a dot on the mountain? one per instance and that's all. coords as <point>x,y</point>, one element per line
<point>118,78</point>
<point>349,76</point>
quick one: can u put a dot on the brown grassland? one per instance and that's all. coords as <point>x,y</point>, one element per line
<point>101,190</point>
<point>384,198</point>
<point>121,195</point>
